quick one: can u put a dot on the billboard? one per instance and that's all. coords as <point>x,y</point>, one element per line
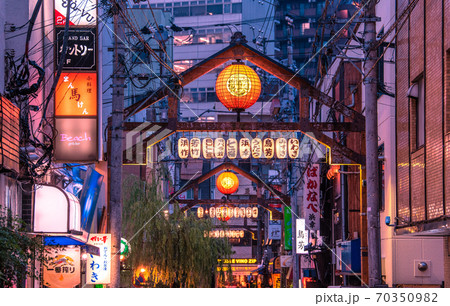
<point>82,12</point>
<point>76,139</point>
<point>81,50</point>
<point>76,94</point>
<point>98,268</point>
<point>62,269</point>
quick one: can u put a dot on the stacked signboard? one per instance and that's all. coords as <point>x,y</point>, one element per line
<point>76,95</point>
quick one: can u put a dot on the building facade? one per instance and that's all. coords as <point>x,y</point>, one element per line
<point>423,146</point>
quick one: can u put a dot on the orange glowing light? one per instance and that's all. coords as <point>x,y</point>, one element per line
<point>76,94</point>
<point>238,87</point>
<point>227,182</point>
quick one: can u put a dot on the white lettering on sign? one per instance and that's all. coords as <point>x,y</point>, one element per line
<point>75,140</point>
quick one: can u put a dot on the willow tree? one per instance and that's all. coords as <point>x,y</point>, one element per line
<point>172,248</point>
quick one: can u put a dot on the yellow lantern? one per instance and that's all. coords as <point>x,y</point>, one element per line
<point>238,87</point>
<point>212,212</point>
<point>229,212</point>
<point>219,148</point>
<point>227,182</point>
<point>281,145</point>
<point>255,212</point>
<point>256,147</point>
<point>232,148</point>
<point>195,147</point>
<point>248,212</point>
<point>241,233</point>
<point>244,148</point>
<point>242,212</point>
<point>208,148</point>
<point>268,147</point>
<point>222,234</point>
<point>200,212</point>
<point>293,147</point>
<point>183,147</point>
<point>236,212</point>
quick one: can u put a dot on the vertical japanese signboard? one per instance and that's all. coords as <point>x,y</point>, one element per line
<point>311,197</point>
<point>301,237</point>
<point>76,96</point>
<point>82,12</point>
<point>98,268</point>
<point>62,269</point>
<point>287,228</point>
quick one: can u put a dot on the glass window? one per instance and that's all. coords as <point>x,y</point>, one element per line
<point>160,5</point>
<point>215,9</point>
<point>199,10</point>
<point>168,4</point>
<point>177,4</point>
<point>181,11</point>
<point>185,3</point>
<point>227,8</point>
<point>237,8</point>
<point>420,115</point>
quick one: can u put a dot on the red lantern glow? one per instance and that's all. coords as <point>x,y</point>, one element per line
<point>238,87</point>
<point>227,182</point>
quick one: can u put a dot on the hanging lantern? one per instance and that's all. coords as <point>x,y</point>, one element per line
<point>200,212</point>
<point>238,87</point>
<point>268,147</point>
<point>212,212</point>
<point>219,148</point>
<point>195,147</point>
<point>227,182</point>
<point>232,148</point>
<point>241,233</point>
<point>222,234</point>
<point>244,148</point>
<point>183,147</point>
<point>233,234</point>
<point>256,147</point>
<point>229,212</point>
<point>242,212</point>
<point>248,212</point>
<point>208,148</point>
<point>281,145</point>
<point>255,212</point>
<point>236,212</point>
<point>293,147</point>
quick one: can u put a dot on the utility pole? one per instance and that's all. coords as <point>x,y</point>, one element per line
<point>115,154</point>
<point>294,196</point>
<point>373,192</point>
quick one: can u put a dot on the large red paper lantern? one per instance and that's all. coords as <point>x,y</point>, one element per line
<point>227,182</point>
<point>238,87</point>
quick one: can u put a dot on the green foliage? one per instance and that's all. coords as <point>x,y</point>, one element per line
<point>172,248</point>
<point>17,251</point>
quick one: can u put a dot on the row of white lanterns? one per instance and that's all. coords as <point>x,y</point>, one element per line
<point>224,212</point>
<point>256,147</point>
<point>225,233</point>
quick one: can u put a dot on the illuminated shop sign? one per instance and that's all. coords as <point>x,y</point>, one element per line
<point>98,268</point>
<point>76,94</point>
<point>81,50</point>
<point>63,267</point>
<point>237,261</point>
<point>82,12</point>
<point>76,139</point>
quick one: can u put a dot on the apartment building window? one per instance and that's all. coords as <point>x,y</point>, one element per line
<point>417,94</point>
<point>181,11</point>
<point>237,8</point>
